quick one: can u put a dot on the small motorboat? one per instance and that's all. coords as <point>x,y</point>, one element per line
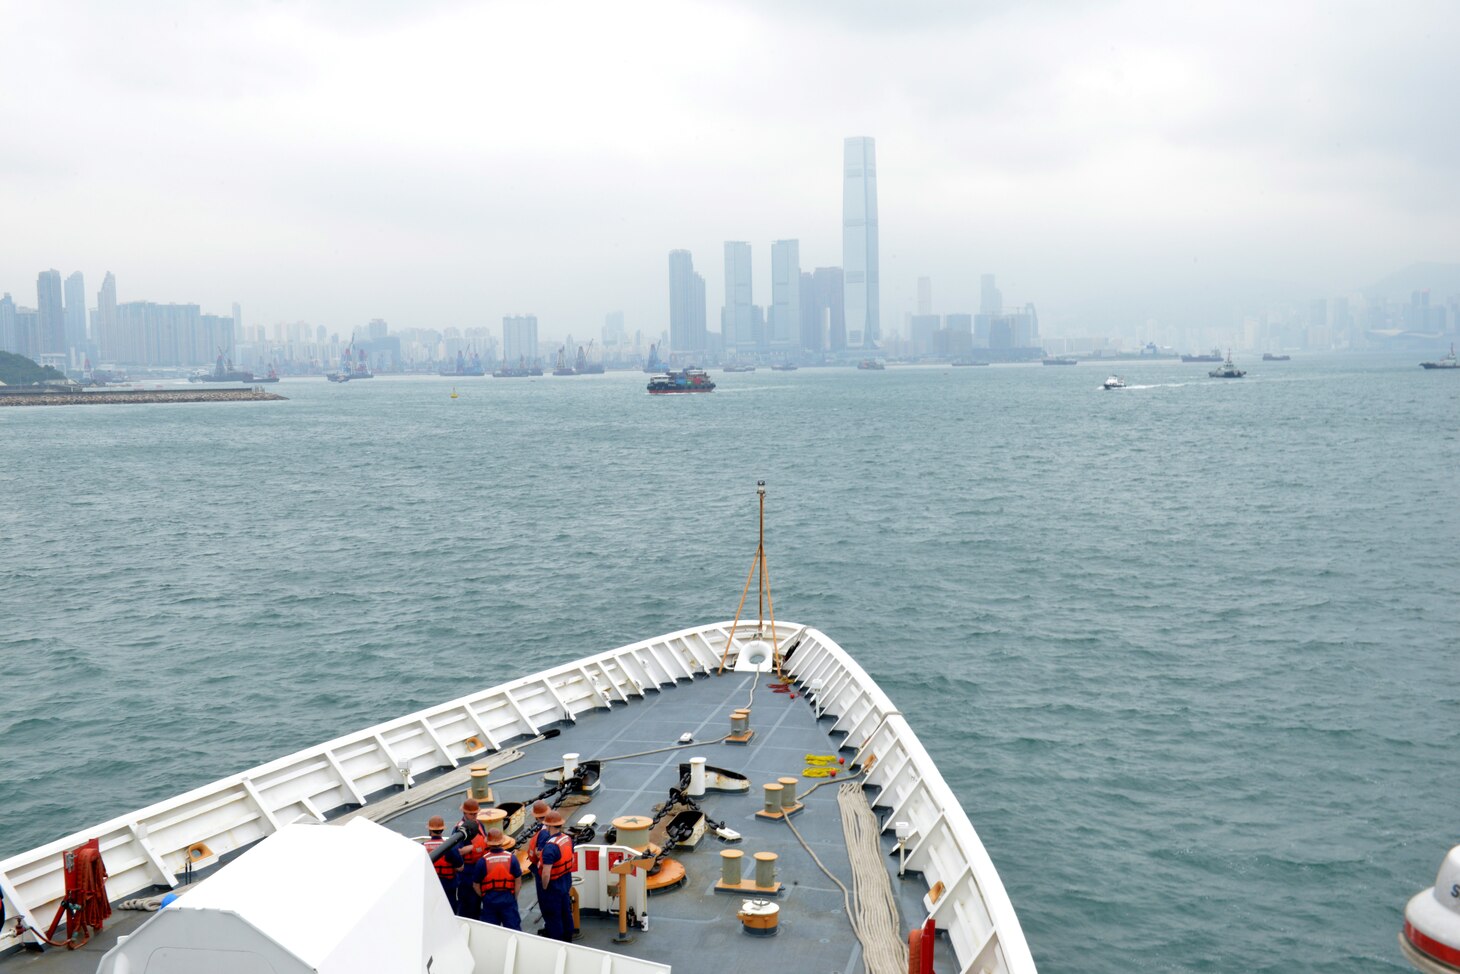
<point>1114,382</point>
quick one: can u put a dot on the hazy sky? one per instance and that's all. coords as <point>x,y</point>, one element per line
<point>448,163</point>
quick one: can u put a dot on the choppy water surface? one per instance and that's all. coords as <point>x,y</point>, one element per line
<point>1186,651</point>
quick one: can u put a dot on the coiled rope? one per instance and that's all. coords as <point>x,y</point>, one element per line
<point>870,905</point>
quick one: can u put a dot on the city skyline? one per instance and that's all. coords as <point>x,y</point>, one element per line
<point>1111,162</point>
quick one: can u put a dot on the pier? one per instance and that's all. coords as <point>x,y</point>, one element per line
<point>101,397</point>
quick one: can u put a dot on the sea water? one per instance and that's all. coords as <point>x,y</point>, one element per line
<point>1185,651</point>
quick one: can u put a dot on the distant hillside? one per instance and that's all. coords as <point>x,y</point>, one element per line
<point>17,370</point>
<point>1442,281</point>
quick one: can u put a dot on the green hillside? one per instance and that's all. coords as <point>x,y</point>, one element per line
<point>17,370</point>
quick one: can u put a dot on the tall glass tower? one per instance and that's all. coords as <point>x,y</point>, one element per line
<point>859,242</point>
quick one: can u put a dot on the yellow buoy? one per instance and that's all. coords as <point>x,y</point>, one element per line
<point>453,392</point>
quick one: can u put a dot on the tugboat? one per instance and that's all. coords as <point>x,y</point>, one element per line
<point>1114,382</point>
<point>1227,370</point>
<point>871,364</point>
<point>685,380</point>
<point>1448,362</point>
<point>1215,355</point>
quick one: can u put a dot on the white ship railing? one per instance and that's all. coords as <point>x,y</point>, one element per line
<point>965,894</point>
<point>154,845</point>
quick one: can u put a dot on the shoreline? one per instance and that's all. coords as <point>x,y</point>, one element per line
<point>110,397</point>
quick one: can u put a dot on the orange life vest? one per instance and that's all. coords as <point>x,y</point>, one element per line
<point>499,871</point>
<point>444,869</point>
<point>566,863</point>
<point>474,848</point>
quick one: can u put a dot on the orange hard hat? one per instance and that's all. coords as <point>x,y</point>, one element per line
<point>470,806</point>
<point>436,824</point>
<point>540,808</point>
<point>495,837</point>
<point>553,817</point>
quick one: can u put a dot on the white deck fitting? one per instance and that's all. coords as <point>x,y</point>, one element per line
<point>148,847</point>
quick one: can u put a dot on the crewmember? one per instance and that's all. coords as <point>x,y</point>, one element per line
<point>468,904</point>
<point>558,863</point>
<point>540,809</point>
<point>497,878</point>
<point>449,864</point>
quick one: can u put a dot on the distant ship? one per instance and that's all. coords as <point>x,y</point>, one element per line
<point>1114,382</point>
<point>1448,362</point>
<point>967,361</point>
<point>871,364</point>
<point>519,371</point>
<point>685,380</point>
<point>1061,360</point>
<point>1215,355</point>
<point>586,367</point>
<point>351,370</point>
<point>1269,357</point>
<point>654,366</point>
<point>1227,370</point>
<point>784,367</point>
<point>227,373</point>
<point>465,366</point>
<point>561,366</point>
<point>738,368</point>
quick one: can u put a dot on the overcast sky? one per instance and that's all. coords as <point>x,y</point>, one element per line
<point>448,163</point>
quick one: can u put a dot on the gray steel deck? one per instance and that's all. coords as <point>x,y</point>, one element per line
<point>692,928</point>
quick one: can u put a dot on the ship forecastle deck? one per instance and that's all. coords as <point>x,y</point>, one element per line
<point>615,706</point>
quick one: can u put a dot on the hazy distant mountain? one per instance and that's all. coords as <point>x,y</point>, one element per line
<point>1442,280</point>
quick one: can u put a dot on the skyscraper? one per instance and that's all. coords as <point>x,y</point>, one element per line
<point>991,301</point>
<point>686,304</point>
<point>830,291</point>
<point>75,311</point>
<point>519,340</point>
<point>859,242</point>
<point>736,321</point>
<point>105,325</point>
<point>52,312</point>
<point>925,295</point>
<point>785,294</point>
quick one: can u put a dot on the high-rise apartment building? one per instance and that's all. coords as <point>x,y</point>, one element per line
<point>52,312</point>
<point>686,304</point>
<point>613,328</point>
<point>9,338</point>
<point>859,242</point>
<point>925,295</point>
<point>104,325</point>
<point>737,323</point>
<point>519,341</point>
<point>826,295</point>
<point>785,294</point>
<point>75,312</point>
